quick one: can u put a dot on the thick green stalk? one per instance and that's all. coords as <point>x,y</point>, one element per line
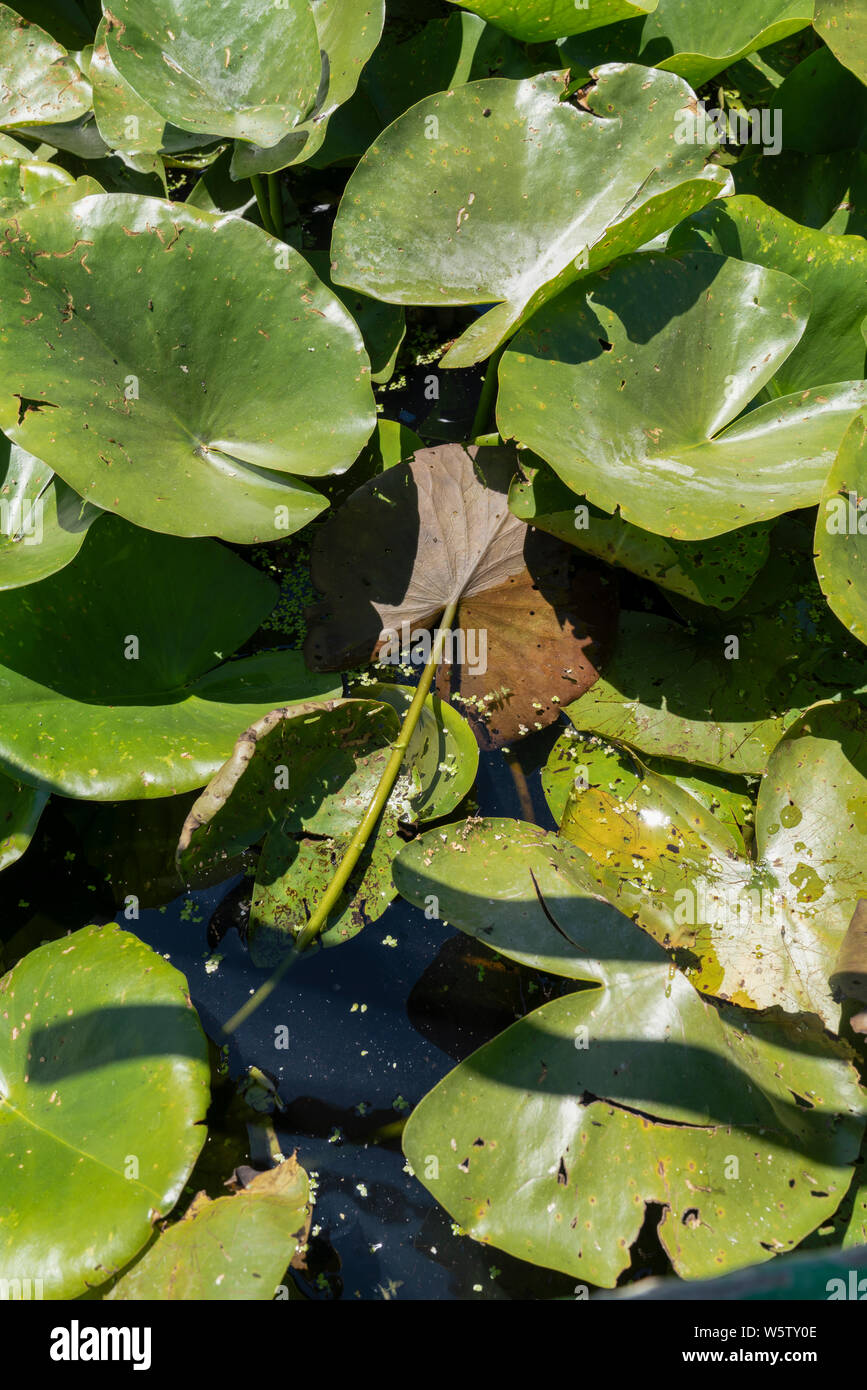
<point>357,844</point>
<point>489,391</point>
<point>276,205</point>
<point>264,208</point>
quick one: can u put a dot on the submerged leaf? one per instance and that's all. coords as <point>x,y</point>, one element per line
<point>302,768</point>
<point>294,871</point>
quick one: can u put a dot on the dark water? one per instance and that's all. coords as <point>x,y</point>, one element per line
<point>372,1026</point>
<point>369,1034</point>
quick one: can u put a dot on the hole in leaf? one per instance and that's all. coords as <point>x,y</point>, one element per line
<point>801,1101</point>
<point>25,405</point>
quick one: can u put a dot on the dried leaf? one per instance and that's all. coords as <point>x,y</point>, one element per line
<point>533,620</point>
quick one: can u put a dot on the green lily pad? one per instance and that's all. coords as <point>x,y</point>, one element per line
<point>199,71</point>
<point>347,36</point>
<point>722,693</point>
<point>671,694</point>
<point>127,124</point>
<point>826,191</point>
<point>657,853</point>
<point>296,767</point>
<point>445,53</point>
<point>104,1089</point>
<point>833,268</point>
<point>13,149</point>
<point>442,54</point>
<point>698,41</point>
<point>762,932</point>
<point>43,523</point>
<point>383,326</point>
<point>550,1141</point>
<point>536,20</point>
<point>717,571</point>
<point>843,26</point>
<point>25,181</point>
<point>808,100</point>
<point>627,392</point>
<point>294,871</point>
<point>131,128</point>
<point>83,187</point>
<point>303,779</point>
<point>20,809</point>
<point>234,1248</point>
<point>580,760</point>
<point>390,444</point>
<point>442,758</point>
<point>112,689</point>
<point>191,427</point>
<point>820,770</point>
<point>40,83</point>
<point>841,525</point>
<point>421,219</point>
<point>691,37</point>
